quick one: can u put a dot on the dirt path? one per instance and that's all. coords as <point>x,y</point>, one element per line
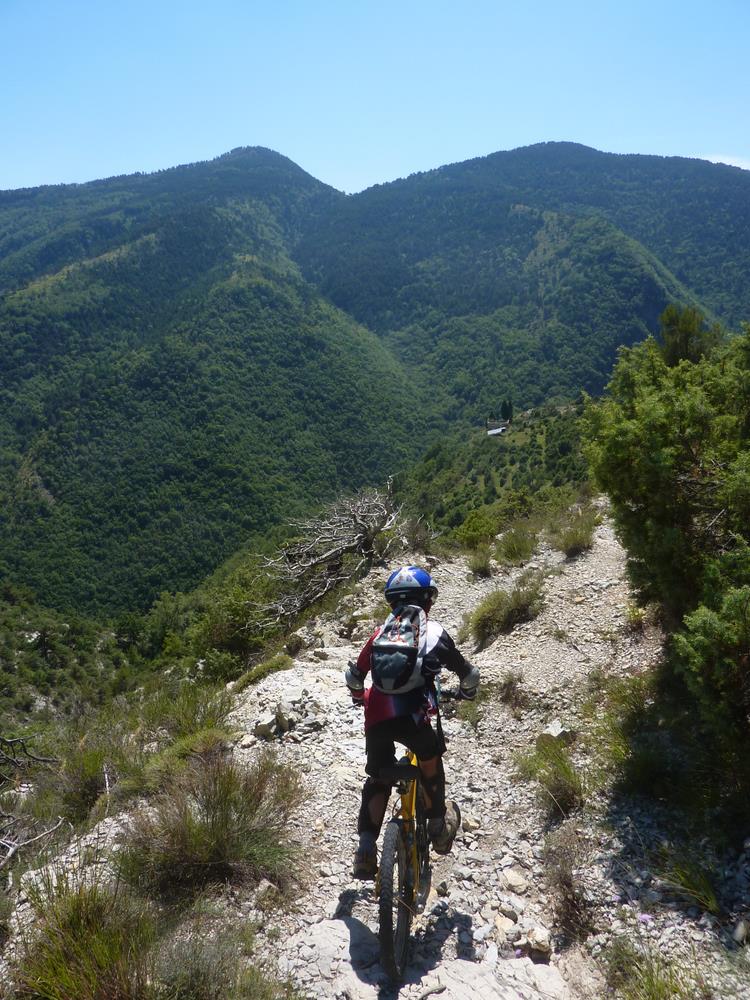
<point>489,904</point>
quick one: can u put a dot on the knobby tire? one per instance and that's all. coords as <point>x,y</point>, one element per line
<point>395,905</point>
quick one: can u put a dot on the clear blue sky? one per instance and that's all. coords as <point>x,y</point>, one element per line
<point>363,91</point>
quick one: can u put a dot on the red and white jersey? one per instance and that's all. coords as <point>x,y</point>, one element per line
<point>418,703</point>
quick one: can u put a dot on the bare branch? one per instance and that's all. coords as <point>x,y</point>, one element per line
<point>15,752</point>
<point>18,831</point>
<point>320,557</point>
<point>13,847</point>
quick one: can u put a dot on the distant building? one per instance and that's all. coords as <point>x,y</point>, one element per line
<point>495,427</point>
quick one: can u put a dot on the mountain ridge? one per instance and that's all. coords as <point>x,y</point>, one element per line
<point>140,311</point>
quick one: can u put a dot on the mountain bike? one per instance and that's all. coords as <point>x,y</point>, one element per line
<point>403,881</point>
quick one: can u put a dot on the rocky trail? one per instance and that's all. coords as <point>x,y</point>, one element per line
<point>488,930</point>
<point>492,928</point>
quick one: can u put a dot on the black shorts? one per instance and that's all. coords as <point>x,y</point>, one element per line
<point>381,738</point>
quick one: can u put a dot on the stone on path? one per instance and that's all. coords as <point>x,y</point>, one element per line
<point>514,880</point>
<point>514,979</point>
<point>556,733</point>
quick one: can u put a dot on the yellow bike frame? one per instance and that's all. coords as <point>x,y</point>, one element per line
<point>406,811</point>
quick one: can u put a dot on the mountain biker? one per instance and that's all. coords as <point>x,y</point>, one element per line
<point>404,718</point>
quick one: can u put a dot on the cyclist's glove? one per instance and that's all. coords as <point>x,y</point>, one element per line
<point>469,684</point>
<point>355,681</point>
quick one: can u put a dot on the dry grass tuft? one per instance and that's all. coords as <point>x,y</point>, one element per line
<point>217,823</point>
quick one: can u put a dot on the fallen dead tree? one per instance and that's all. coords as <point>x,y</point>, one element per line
<point>17,830</point>
<point>327,551</point>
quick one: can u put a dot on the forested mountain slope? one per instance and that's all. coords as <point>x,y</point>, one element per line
<point>43,229</point>
<point>186,359</point>
<point>693,215</point>
<point>174,395</point>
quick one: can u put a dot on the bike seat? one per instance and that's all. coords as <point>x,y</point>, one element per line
<point>398,772</point>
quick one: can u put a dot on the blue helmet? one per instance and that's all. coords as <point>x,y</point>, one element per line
<point>410,585</point>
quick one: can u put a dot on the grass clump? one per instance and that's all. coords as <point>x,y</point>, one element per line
<point>635,616</point>
<point>214,967</point>
<point>92,941</point>
<point>92,754</point>
<point>636,973</point>
<point>573,532</point>
<point>186,708</point>
<point>6,910</point>
<point>501,610</point>
<point>563,853</point>
<point>100,759</point>
<point>511,691</point>
<point>559,782</point>
<point>517,544</point>
<point>164,767</point>
<point>281,661</point>
<point>472,711</point>
<point>638,744</point>
<point>216,823</point>
<point>417,535</point>
<point>479,562</point>
<point>685,875</point>
<point>95,940</point>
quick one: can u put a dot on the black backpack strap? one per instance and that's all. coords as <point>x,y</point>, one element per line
<point>442,743</point>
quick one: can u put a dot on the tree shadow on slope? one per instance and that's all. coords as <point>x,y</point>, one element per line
<point>676,810</point>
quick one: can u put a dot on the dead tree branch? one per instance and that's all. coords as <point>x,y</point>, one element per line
<point>15,756</point>
<point>328,550</point>
<point>16,830</point>
<point>15,835</point>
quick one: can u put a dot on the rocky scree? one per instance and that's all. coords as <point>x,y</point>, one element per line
<point>490,927</point>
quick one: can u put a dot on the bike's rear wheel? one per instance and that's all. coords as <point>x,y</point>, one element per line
<point>395,902</point>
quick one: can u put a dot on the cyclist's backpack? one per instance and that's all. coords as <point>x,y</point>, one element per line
<point>398,650</point>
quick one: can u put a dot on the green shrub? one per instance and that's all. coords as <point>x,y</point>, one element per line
<point>479,527</point>
<point>560,784</point>
<point>573,533</point>
<point>281,661</point>
<point>479,562</point>
<point>711,654</point>
<point>501,610</point>
<point>91,941</point>
<point>221,666</point>
<point>216,823</point>
<point>517,544</point>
